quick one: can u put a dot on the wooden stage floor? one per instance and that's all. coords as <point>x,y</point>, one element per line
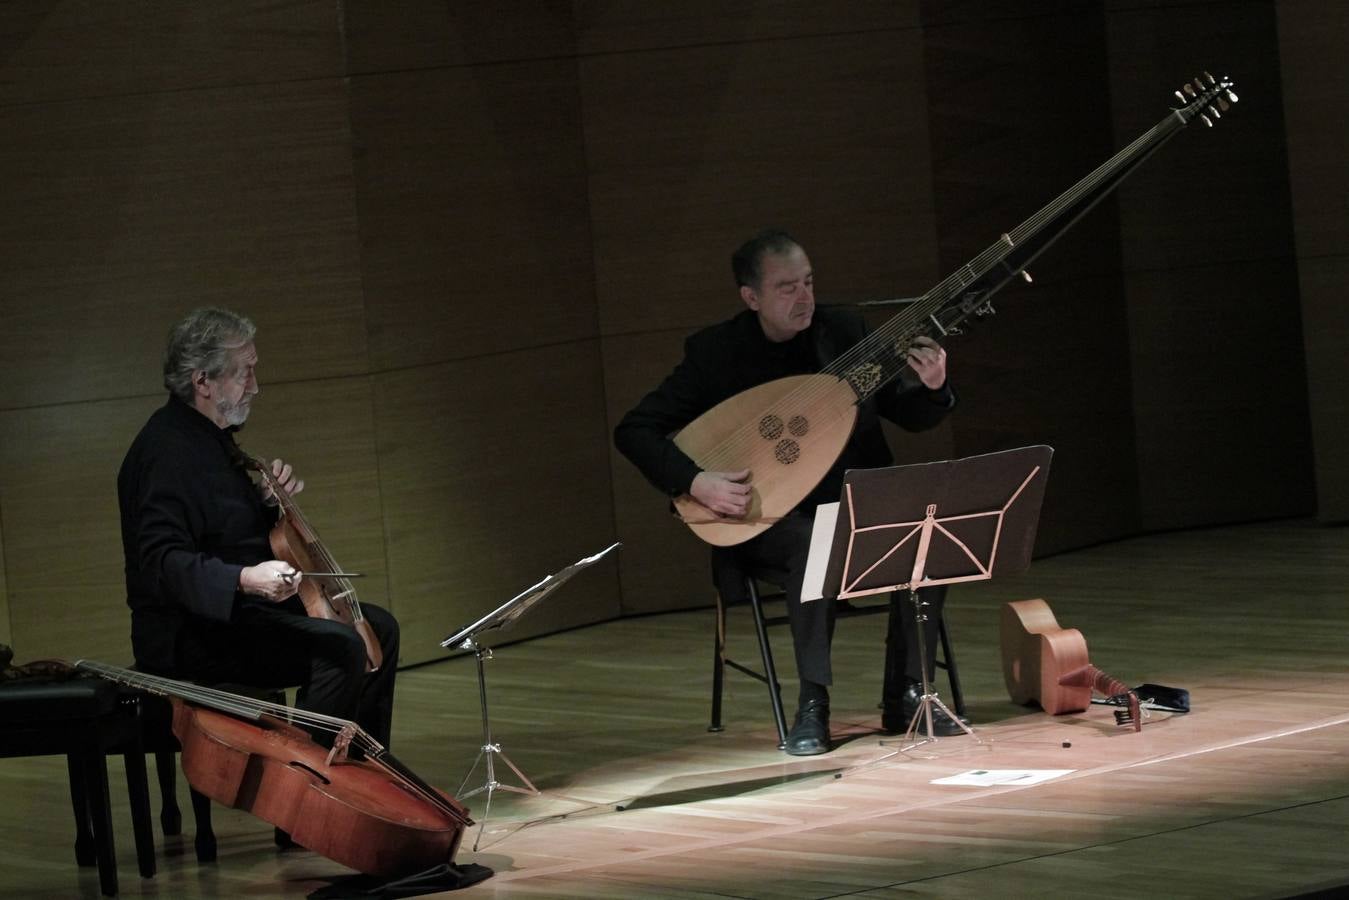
<point>1246,796</point>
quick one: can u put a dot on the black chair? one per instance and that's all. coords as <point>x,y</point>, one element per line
<point>84,719</point>
<point>737,584</point>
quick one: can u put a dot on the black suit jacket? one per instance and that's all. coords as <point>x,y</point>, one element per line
<point>731,357</point>
<point>192,520</point>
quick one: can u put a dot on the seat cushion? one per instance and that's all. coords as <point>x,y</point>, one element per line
<point>42,716</point>
<point>38,700</point>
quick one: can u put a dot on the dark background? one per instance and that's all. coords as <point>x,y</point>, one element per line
<point>473,234</point>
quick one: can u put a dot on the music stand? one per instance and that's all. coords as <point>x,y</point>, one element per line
<point>911,527</point>
<point>467,638</point>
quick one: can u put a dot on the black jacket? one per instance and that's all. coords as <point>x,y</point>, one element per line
<point>192,519</point>
<point>731,357</point>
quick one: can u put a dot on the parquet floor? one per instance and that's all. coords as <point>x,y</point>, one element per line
<point>1246,796</point>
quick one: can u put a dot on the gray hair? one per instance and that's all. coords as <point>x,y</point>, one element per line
<point>204,340</point>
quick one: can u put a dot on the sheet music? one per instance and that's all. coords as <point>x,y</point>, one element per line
<point>821,538</point>
<point>506,614</point>
<point>587,560</point>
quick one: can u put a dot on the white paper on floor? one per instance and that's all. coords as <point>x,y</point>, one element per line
<point>990,777</point>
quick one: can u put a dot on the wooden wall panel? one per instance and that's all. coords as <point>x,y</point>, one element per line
<point>473,211</point>
<point>494,473</point>
<point>664,566</point>
<point>1018,15</point>
<point>427,34</point>
<point>1206,403</point>
<point>63,551</point>
<point>617,26</point>
<point>122,214</point>
<point>1052,366</point>
<point>1038,374</point>
<point>1326,324</point>
<point>64,49</point>
<point>5,630</point>
<point>1216,345</point>
<point>692,151</point>
<point>1214,194</point>
<point>1312,37</point>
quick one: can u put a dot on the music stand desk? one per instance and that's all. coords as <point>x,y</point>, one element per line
<point>917,526</point>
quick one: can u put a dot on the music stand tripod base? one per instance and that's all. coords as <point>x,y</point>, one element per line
<point>929,699</point>
<point>910,527</point>
<point>489,750</point>
<point>466,639</point>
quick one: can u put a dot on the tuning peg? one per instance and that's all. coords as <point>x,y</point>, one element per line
<point>1189,89</point>
<point>1206,120</point>
<point>1199,85</point>
<point>1214,110</point>
<point>1232,95</point>
<point>1025,276</point>
<point>1180,96</point>
<point>1223,104</point>
<point>1209,76</point>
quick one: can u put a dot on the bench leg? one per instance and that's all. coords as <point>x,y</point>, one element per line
<point>79,802</point>
<point>170,819</point>
<point>138,789</point>
<point>204,842</point>
<point>95,770</point>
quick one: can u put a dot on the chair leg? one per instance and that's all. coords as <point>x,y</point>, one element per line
<point>79,802</point>
<point>952,673</point>
<point>170,818</point>
<point>204,842</point>
<point>718,664</point>
<point>138,789</point>
<point>95,770</point>
<point>770,671</point>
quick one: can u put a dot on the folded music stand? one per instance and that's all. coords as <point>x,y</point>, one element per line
<point>467,638</point>
<point>911,527</point>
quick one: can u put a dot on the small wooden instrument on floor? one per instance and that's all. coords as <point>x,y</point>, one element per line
<point>1046,664</point>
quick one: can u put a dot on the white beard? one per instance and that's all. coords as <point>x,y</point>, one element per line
<point>234,414</point>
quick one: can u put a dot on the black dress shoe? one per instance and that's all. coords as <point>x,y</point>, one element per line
<point>895,718</point>
<point>810,731</point>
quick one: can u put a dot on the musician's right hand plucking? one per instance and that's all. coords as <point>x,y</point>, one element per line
<point>725,493</point>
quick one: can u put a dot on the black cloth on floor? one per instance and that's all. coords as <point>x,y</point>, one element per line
<point>444,877</point>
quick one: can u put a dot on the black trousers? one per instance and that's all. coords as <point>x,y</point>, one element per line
<point>277,645</point>
<point>784,547</point>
